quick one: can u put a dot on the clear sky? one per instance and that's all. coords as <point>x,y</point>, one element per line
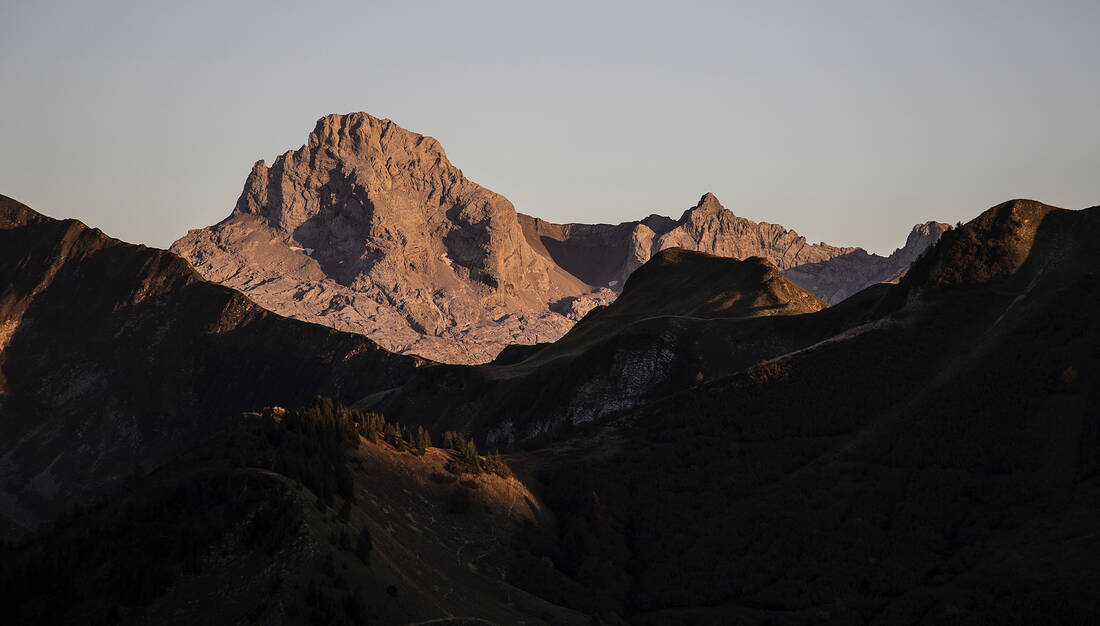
<point>847,121</point>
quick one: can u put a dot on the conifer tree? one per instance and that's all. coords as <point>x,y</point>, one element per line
<point>469,453</point>
<point>423,440</point>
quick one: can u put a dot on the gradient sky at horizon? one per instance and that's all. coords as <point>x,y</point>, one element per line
<point>846,121</point>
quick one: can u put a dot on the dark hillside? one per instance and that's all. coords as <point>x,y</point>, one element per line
<point>936,466</point>
<point>308,516</point>
<point>682,318</point>
<point>114,355</point>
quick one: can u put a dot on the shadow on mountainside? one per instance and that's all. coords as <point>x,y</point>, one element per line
<point>939,465</point>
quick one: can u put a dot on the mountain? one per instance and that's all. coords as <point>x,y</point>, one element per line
<point>935,463</point>
<point>841,276</point>
<point>715,446</point>
<point>604,254</point>
<point>369,228</point>
<point>682,318</point>
<point>114,355</point>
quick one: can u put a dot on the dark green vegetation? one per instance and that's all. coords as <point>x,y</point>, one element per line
<point>114,355</point>
<point>939,466</point>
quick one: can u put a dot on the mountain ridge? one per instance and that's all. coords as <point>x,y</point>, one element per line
<point>369,228</point>
<point>114,355</point>
<point>716,445</point>
<point>932,460</point>
<point>683,317</point>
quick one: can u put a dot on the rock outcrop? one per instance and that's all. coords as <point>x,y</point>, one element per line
<point>839,277</point>
<point>369,228</point>
<point>606,255</point>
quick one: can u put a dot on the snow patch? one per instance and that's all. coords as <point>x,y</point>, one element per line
<point>308,251</point>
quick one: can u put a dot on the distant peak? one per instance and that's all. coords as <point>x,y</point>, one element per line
<point>659,223</point>
<point>337,120</point>
<point>707,206</point>
<point>929,229</point>
<point>709,200</point>
<point>359,132</point>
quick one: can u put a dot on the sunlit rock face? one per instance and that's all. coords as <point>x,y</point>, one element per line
<point>369,228</point>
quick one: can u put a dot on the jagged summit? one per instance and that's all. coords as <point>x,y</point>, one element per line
<point>368,227</point>
<point>708,202</point>
<point>845,275</point>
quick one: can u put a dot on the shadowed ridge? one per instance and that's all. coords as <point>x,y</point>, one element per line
<point>14,214</point>
<point>963,424</point>
<point>679,285</point>
<point>994,246</point>
<point>686,282</point>
<point>129,347</point>
<point>682,318</point>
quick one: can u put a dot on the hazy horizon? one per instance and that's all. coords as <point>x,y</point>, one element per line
<point>848,123</point>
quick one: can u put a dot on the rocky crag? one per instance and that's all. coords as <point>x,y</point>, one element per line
<point>842,276</point>
<point>369,228</point>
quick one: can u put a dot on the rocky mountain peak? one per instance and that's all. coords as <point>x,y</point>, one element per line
<point>369,228</point>
<point>920,239</point>
<point>708,205</point>
<point>355,164</point>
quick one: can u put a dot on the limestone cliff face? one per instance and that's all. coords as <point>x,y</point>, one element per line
<point>369,228</point>
<point>614,252</point>
<point>606,255</point>
<point>840,277</point>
